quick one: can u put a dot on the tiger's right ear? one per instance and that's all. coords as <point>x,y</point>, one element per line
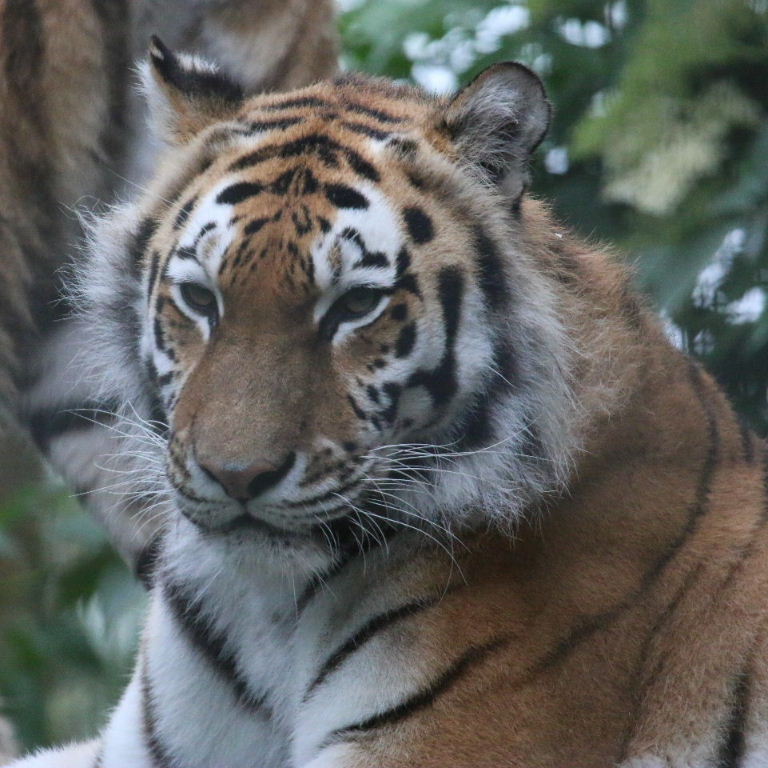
<point>185,93</point>
<point>497,121</point>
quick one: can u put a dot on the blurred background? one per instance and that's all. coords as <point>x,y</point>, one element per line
<point>659,146</point>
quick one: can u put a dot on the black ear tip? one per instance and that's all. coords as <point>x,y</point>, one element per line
<point>158,50</point>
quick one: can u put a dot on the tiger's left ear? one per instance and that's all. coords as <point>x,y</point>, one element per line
<point>185,93</point>
<point>497,121</point>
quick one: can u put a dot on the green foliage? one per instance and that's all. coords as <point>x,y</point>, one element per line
<point>660,145</point>
<point>69,616</point>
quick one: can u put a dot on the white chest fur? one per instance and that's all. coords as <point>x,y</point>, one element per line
<point>242,668</point>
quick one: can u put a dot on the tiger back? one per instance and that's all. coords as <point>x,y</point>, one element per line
<point>442,492</point>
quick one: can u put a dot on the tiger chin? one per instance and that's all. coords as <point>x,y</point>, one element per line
<point>444,495</point>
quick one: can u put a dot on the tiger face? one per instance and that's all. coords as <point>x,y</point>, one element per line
<point>333,310</point>
<point>330,307</point>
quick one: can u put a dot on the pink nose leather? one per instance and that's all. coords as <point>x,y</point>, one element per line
<point>244,483</point>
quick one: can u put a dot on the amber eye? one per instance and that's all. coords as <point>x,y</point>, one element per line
<point>358,302</point>
<point>199,299</point>
<point>354,304</point>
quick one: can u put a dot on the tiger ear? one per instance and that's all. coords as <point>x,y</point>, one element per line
<point>185,93</point>
<point>497,121</point>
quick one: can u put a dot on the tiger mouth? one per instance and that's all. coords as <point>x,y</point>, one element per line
<point>339,531</point>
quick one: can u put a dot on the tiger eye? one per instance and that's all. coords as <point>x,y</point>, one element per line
<point>359,301</point>
<point>199,298</point>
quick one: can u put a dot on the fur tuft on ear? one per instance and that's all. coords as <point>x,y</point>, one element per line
<point>497,121</point>
<point>185,93</point>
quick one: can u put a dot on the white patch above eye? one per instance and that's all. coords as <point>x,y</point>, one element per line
<point>209,230</point>
<point>207,235</point>
<point>355,233</point>
<point>378,226</point>
<point>180,270</point>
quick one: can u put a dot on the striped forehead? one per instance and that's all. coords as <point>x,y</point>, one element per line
<point>361,246</point>
<point>336,224</point>
<point>205,235</point>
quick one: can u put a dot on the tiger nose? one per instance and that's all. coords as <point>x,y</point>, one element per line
<point>245,483</point>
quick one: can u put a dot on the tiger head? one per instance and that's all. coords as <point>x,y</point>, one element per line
<point>327,297</point>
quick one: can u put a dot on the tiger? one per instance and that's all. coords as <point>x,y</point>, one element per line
<point>442,492</point>
<point>70,71</point>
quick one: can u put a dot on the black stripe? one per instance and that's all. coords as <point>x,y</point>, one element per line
<point>328,150</point>
<point>183,214</point>
<point>441,383</point>
<point>46,424</point>
<point>327,495</point>
<point>362,166</point>
<point>160,756</point>
<point>154,267</point>
<point>236,193</point>
<point>369,630</point>
<point>641,679</point>
<point>470,659</point>
<point>350,548</point>
<point>747,441</point>
<point>747,551</point>
<point>700,505</point>
<point>375,259</point>
<point>492,279</point>
<point>343,196</point>
<point>158,418</point>
<point>479,429</point>
<point>407,149</point>
<point>403,262</point>
<point>376,114</point>
<point>146,561</point>
<point>252,227</point>
<point>365,130</point>
<point>197,628</point>
<point>419,225</point>
<point>405,340</point>
<point>186,252</point>
<point>733,746</point>
<point>159,333</point>
<point>278,123</point>
<point>321,579</point>
<point>299,101</point>
<point>137,250</point>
